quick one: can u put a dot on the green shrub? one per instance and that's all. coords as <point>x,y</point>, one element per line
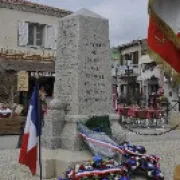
<point>101,122</point>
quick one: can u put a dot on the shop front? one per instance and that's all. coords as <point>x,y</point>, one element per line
<point>23,76</point>
<point>46,81</point>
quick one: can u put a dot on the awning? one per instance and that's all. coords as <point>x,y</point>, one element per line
<point>27,65</point>
<point>145,59</point>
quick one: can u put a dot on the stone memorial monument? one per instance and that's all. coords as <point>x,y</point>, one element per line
<point>82,89</point>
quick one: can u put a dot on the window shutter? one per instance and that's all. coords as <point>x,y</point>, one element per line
<point>23,33</point>
<point>51,37</point>
<point>46,38</point>
<point>55,37</point>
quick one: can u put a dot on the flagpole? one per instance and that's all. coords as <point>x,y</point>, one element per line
<point>40,129</point>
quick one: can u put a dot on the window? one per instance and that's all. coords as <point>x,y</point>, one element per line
<point>135,57</point>
<point>122,60</point>
<point>35,34</point>
<point>122,89</point>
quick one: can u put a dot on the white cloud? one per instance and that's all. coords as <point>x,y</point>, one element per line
<point>128,19</point>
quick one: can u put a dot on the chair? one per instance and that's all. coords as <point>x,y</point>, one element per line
<point>141,115</point>
<point>125,114</point>
<point>159,116</point>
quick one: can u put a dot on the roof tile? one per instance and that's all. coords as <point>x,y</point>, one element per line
<point>31,6</point>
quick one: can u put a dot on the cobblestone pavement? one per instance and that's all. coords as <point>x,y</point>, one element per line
<point>169,152</point>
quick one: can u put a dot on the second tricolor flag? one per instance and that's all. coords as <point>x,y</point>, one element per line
<point>28,152</point>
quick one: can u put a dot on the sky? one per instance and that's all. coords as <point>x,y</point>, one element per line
<point>128,19</point>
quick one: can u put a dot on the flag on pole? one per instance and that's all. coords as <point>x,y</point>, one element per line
<point>161,46</point>
<point>28,152</point>
<point>164,33</point>
<point>166,13</point>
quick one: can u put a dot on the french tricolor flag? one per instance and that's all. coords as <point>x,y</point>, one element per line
<point>28,153</point>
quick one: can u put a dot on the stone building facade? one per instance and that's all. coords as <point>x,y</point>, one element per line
<point>145,76</point>
<point>28,38</point>
<point>130,54</point>
<point>29,27</point>
<point>153,79</point>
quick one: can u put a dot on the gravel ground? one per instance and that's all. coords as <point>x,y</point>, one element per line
<point>8,142</point>
<point>169,152</point>
<point>11,170</point>
<point>167,149</point>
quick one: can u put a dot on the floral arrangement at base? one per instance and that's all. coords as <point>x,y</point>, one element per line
<point>108,169</point>
<point>97,169</point>
<point>134,159</point>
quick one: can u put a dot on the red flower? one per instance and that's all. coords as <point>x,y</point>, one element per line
<point>82,167</point>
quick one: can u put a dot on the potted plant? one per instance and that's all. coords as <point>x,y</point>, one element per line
<point>163,99</point>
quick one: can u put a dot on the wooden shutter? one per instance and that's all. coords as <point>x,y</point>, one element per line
<point>51,37</point>
<point>54,37</point>
<point>46,37</point>
<point>23,33</point>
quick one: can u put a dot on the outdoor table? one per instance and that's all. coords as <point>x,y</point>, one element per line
<point>155,114</point>
<point>141,115</point>
<point>120,109</point>
<point>158,114</point>
<point>131,112</point>
<point>138,115</point>
<point>150,113</point>
<point>125,111</point>
<point>124,114</point>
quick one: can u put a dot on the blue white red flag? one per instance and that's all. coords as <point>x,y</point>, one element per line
<point>28,153</point>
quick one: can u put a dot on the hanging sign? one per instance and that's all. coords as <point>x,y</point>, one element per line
<point>42,74</point>
<point>22,81</point>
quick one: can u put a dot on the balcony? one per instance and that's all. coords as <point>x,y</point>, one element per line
<point>133,70</point>
<point>147,74</point>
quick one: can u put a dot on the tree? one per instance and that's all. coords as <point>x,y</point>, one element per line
<point>8,86</point>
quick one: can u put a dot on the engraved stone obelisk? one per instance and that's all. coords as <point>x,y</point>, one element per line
<point>83,79</point>
<point>82,85</point>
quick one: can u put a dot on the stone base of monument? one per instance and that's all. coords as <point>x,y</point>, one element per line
<point>57,162</point>
<point>73,150</point>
